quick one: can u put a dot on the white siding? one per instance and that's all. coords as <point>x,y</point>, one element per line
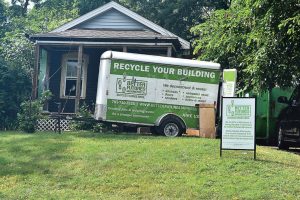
<point>112,19</point>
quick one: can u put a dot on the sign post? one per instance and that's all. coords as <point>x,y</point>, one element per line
<point>238,124</point>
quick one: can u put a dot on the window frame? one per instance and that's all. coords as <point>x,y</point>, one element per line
<point>65,58</point>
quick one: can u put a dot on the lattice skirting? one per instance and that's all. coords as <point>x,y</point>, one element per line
<point>51,125</point>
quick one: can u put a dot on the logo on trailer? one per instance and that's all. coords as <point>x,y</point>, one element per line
<point>132,86</point>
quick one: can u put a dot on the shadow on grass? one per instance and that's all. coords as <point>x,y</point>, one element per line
<point>293,150</point>
<point>116,136</point>
<point>283,164</point>
<point>21,156</point>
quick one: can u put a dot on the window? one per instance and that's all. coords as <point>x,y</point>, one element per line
<point>69,76</point>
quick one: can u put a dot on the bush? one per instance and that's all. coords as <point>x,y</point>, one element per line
<point>15,87</point>
<point>100,128</point>
<point>31,111</point>
<point>84,120</point>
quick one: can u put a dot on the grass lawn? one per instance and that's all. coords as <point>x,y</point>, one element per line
<point>119,166</point>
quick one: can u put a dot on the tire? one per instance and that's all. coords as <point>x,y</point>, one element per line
<point>281,143</point>
<point>171,126</point>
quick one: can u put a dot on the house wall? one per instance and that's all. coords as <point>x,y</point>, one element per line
<point>113,20</point>
<point>54,75</point>
<point>68,105</point>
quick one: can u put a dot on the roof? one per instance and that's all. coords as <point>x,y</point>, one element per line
<point>103,34</point>
<point>185,45</point>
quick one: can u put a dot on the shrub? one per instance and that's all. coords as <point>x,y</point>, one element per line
<point>31,111</point>
<point>84,120</point>
<point>15,87</point>
<point>100,128</point>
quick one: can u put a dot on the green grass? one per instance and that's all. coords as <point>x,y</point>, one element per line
<point>119,166</point>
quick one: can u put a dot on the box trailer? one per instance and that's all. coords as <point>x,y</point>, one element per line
<point>155,91</point>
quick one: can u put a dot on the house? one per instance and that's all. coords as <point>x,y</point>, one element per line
<point>79,44</point>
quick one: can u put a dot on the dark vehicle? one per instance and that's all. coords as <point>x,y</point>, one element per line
<point>289,121</point>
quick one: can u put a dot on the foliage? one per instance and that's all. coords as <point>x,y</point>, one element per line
<point>19,7</point>
<point>15,46</point>
<point>31,111</point>
<point>18,51</point>
<point>50,15</point>
<point>84,120</point>
<point>101,128</point>
<point>29,114</point>
<point>260,38</point>
<point>177,16</point>
<point>15,87</point>
<point>122,166</point>
<point>3,17</point>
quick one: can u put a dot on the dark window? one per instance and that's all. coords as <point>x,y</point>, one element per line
<point>71,78</point>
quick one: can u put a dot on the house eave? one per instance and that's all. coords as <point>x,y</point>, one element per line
<point>152,42</point>
<point>104,44</point>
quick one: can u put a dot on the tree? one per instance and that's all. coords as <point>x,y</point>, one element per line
<point>15,48</point>
<point>177,16</point>
<point>3,17</point>
<point>15,87</point>
<point>260,38</point>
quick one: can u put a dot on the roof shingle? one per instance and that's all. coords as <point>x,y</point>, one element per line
<point>103,34</point>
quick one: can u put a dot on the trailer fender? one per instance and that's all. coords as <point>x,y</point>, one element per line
<point>161,118</point>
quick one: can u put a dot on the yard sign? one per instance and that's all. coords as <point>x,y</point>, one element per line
<point>238,124</point>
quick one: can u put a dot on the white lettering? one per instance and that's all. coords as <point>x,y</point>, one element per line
<point>116,65</point>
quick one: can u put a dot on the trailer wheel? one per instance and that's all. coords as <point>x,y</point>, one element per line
<point>281,143</point>
<point>171,126</point>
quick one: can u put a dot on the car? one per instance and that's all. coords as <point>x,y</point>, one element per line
<point>289,121</point>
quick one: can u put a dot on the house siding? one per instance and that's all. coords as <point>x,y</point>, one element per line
<point>114,20</point>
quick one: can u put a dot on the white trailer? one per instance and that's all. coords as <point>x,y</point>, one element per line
<point>155,91</point>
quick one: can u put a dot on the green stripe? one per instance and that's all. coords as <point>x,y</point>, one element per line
<point>148,113</point>
<point>160,71</point>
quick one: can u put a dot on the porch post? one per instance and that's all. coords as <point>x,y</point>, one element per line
<point>35,72</point>
<point>78,82</point>
<point>47,84</point>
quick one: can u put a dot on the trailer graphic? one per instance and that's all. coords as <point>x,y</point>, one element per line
<point>155,91</point>
<point>131,86</point>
